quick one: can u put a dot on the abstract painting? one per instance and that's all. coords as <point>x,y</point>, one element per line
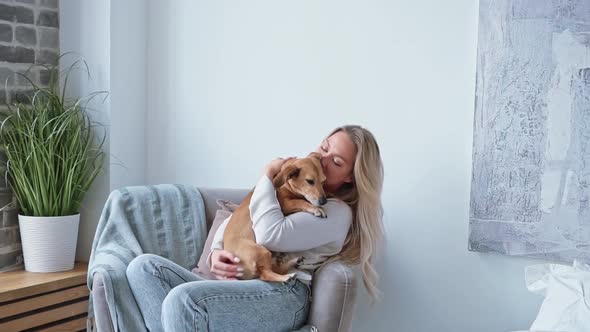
<point>530,186</point>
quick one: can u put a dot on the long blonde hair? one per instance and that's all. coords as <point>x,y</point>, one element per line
<point>363,195</point>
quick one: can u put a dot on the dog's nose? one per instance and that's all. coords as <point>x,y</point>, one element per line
<point>323,200</point>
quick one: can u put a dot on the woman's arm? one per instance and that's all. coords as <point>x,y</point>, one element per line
<point>222,263</point>
<point>299,231</point>
<point>217,242</point>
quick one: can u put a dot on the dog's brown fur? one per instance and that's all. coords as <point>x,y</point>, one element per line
<point>300,188</point>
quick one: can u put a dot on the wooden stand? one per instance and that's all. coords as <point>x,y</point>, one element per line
<point>44,301</point>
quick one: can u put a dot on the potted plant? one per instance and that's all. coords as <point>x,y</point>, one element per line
<point>53,158</point>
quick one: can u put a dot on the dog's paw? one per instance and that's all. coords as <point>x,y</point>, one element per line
<point>299,262</point>
<point>319,212</point>
<point>288,277</point>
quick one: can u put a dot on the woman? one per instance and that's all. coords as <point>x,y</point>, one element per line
<point>354,176</point>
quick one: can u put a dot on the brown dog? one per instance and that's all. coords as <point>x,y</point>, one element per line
<point>300,188</point>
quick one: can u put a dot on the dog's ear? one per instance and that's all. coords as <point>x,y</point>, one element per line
<point>315,155</point>
<point>293,172</point>
<point>289,170</point>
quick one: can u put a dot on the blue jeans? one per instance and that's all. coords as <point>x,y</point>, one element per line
<point>182,301</point>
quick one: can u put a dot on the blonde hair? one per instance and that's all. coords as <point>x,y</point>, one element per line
<point>363,195</point>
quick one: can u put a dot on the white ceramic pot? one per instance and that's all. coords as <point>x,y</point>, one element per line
<point>49,243</point>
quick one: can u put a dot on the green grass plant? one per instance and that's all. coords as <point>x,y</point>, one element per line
<point>52,146</point>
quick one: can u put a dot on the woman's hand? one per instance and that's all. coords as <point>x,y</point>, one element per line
<point>274,167</point>
<point>224,265</point>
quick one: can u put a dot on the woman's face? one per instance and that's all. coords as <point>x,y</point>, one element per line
<point>338,156</point>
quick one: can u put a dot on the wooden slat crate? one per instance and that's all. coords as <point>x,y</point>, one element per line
<point>44,301</point>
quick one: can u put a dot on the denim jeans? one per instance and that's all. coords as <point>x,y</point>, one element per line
<point>172,298</point>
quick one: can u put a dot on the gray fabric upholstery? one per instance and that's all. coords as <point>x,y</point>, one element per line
<point>102,316</point>
<point>334,284</point>
<point>211,195</point>
<point>334,293</point>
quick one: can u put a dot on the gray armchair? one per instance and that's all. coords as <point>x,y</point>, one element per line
<point>334,285</point>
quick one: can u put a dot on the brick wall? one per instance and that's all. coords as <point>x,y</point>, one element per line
<point>29,33</point>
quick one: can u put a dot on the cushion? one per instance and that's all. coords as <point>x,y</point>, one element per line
<point>566,290</point>
<point>226,208</point>
<point>226,205</point>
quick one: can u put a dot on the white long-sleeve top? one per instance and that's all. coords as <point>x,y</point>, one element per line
<point>300,234</point>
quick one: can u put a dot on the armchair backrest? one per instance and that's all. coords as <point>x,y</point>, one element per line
<point>211,195</point>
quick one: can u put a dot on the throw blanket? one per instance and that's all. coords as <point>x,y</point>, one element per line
<point>166,220</point>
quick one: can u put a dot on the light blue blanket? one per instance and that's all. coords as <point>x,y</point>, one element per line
<point>167,220</point>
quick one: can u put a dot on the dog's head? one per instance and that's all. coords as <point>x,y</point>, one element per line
<point>304,177</point>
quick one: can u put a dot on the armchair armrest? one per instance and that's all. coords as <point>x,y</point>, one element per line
<point>102,316</point>
<point>167,220</point>
<point>334,293</point>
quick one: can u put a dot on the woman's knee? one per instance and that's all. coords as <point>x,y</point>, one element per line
<point>141,265</point>
<point>180,311</point>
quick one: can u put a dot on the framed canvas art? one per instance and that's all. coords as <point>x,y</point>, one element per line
<point>530,189</point>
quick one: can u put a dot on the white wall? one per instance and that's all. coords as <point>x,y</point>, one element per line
<point>112,38</point>
<point>129,74</point>
<point>84,29</point>
<point>232,85</point>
